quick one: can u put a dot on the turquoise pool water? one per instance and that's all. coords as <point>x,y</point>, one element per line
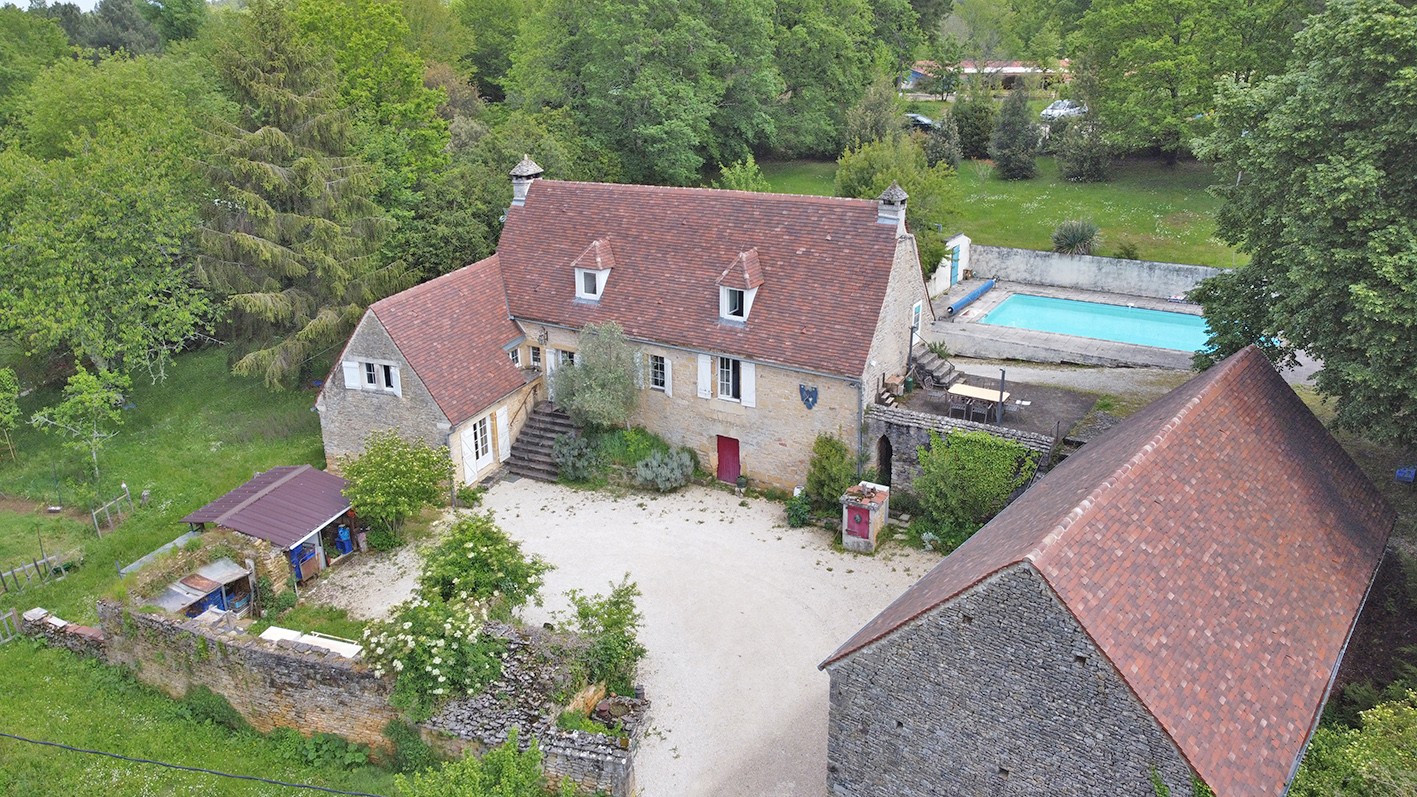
<point>1157,328</point>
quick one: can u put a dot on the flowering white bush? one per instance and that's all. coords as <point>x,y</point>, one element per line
<point>479,562</point>
<point>436,649</point>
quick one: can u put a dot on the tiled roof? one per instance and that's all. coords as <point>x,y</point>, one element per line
<point>1217,547</point>
<point>745,273</point>
<point>452,331</point>
<point>281,505</point>
<point>825,264</point>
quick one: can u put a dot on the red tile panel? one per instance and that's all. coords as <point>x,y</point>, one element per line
<point>452,331</point>
<point>822,264</point>
<point>1217,547</point>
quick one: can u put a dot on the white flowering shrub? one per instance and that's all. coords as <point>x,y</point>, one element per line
<point>478,562</point>
<point>436,649</point>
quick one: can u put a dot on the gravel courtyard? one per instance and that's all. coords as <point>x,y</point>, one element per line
<point>738,609</point>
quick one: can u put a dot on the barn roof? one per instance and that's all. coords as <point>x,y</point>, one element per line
<point>1217,547</point>
<point>821,266</point>
<point>453,331</point>
<point>281,506</point>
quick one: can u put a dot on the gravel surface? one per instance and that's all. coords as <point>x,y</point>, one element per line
<point>738,611</point>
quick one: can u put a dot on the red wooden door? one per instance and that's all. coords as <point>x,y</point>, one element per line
<point>858,522</point>
<point>728,468</point>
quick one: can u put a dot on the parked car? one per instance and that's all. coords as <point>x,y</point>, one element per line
<point>1061,109</point>
<point>919,122</point>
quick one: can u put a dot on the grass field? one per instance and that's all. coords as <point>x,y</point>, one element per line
<point>1165,212</point>
<point>29,535</point>
<point>186,441</point>
<point>53,695</point>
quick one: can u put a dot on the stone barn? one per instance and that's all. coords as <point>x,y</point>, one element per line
<point>1172,603</point>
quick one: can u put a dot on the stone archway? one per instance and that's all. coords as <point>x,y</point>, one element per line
<point>883,460</point>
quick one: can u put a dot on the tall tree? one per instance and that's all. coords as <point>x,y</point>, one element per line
<point>175,20</point>
<point>1014,145</point>
<point>496,23</point>
<point>825,52</point>
<point>90,414</point>
<point>1319,177</point>
<point>868,170</point>
<point>292,236</point>
<point>28,43</point>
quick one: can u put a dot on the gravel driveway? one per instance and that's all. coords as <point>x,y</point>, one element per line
<point>738,611</point>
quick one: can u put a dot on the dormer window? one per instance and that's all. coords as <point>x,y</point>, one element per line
<point>590,283</point>
<point>738,285</point>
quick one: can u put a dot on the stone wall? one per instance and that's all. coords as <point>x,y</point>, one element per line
<point>347,416</point>
<point>908,431</point>
<point>890,346</point>
<point>271,685</point>
<point>998,692</point>
<point>60,633</point>
<point>1084,272</point>
<point>774,437</point>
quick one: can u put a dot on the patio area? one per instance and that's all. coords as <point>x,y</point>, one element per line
<point>1050,410</point>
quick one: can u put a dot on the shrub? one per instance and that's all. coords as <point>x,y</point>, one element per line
<point>967,477</point>
<point>1076,237</point>
<point>504,771</point>
<point>1083,155</point>
<point>203,705</point>
<point>575,457</point>
<point>601,389</point>
<point>410,752</point>
<point>478,562</point>
<point>799,511</point>
<point>1127,250</point>
<point>611,623</point>
<point>665,470</point>
<point>829,473</point>
<point>435,649</point>
<point>1014,144</point>
<point>974,117</point>
<point>627,447</point>
<point>395,479</point>
<point>470,496</point>
<point>381,539</point>
<point>327,749</point>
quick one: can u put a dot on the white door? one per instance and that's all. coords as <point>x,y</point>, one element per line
<point>504,435</point>
<point>550,358</point>
<point>476,449</point>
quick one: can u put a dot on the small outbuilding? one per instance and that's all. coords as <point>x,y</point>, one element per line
<point>222,584</point>
<point>1169,606</point>
<point>298,512</point>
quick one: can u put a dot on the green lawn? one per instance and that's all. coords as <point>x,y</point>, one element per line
<point>1165,212</point>
<point>30,535</point>
<point>56,696</point>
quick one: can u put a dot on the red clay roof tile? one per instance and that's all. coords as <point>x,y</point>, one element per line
<point>1217,547</point>
<point>824,263</point>
<point>452,331</point>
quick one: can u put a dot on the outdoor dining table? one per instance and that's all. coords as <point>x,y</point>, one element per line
<point>994,398</point>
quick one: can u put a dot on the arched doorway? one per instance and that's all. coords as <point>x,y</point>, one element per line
<point>883,460</point>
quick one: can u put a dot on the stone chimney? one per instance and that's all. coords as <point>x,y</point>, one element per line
<point>892,207</point>
<point>523,175</point>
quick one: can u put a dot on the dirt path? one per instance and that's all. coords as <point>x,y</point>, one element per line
<point>371,584</point>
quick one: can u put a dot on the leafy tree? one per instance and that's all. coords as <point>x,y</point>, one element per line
<point>942,144</point>
<point>742,176</point>
<point>829,473</point>
<point>496,23</point>
<point>394,479</point>
<point>9,406</point>
<point>1320,186</point>
<point>89,415</point>
<point>292,234</point>
<point>826,53</point>
<point>175,20</point>
<point>93,256</point>
<point>878,116</point>
<point>1082,151</point>
<point>601,389</point>
<point>934,192</point>
<point>28,43</point>
<point>1014,145</point>
<point>974,115</point>
<point>967,477</point>
<point>985,29</point>
<point>504,771</point>
<point>1376,760</point>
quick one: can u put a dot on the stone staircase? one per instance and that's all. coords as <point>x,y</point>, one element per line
<point>932,370</point>
<point>531,451</point>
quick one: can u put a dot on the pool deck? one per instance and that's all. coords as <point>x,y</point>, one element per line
<point>964,336</point>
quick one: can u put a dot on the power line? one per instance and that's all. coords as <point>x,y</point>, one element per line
<point>187,768</point>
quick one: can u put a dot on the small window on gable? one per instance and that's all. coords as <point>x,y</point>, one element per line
<point>373,376</point>
<point>736,307</point>
<point>735,303</point>
<point>516,355</point>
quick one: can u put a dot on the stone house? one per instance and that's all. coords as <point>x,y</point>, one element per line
<point>761,320</point>
<point>1172,602</point>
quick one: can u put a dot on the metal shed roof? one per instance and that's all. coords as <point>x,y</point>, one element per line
<point>282,506</point>
<point>208,579</point>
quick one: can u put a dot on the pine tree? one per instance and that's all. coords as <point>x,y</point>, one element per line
<point>292,237</point>
<point>1014,146</point>
<point>942,144</point>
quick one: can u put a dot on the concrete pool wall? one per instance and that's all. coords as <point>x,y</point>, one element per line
<point>1144,278</point>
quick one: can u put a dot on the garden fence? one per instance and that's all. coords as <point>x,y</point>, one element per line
<point>53,567</point>
<point>112,511</point>
<point>9,626</point>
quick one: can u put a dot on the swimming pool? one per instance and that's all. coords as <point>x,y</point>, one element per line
<point>1164,330</point>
